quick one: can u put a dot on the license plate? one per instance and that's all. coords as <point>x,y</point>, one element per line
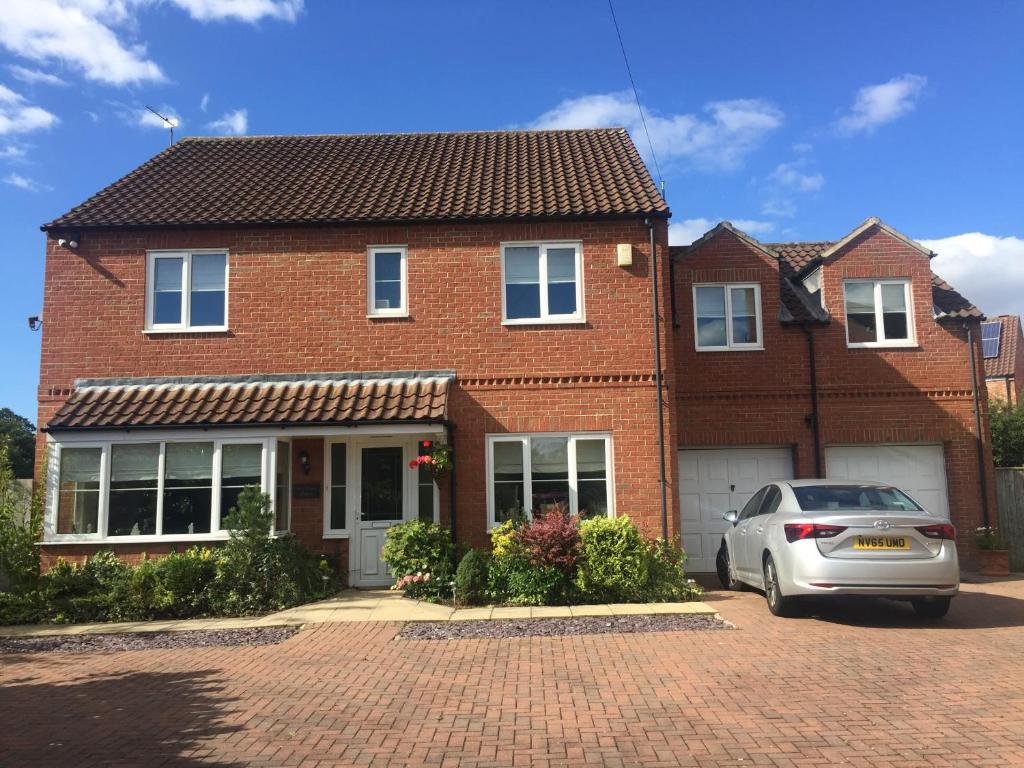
<point>881,542</point>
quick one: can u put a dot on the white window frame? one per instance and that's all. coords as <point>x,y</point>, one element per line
<point>579,316</point>
<point>186,290</point>
<point>908,300</point>
<point>730,345</point>
<point>371,283</point>
<point>50,536</point>
<point>524,441</point>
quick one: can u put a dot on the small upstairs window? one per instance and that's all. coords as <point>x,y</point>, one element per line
<point>727,317</point>
<point>542,283</point>
<point>387,281</point>
<point>878,313</point>
<point>187,291</point>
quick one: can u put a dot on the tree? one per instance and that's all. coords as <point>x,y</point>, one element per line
<point>1007,426</point>
<point>20,435</point>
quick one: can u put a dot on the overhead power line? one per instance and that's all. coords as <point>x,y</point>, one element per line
<point>636,95</point>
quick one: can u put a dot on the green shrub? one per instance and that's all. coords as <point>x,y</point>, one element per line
<point>421,558</point>
<point>614,564</point>
<point>21,526</point>
<point>513,579</point>
<point>471,578</point>
<point>667,581</point>
<point>1007,427</point>
<point>186,578</point>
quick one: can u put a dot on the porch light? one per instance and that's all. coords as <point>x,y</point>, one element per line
<point>304,462</point>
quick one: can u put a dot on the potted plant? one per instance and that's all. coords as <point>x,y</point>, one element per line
<point>437,459</point>
<point>995,559</point>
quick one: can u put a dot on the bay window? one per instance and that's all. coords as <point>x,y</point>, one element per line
<point>535,474</point>
<point>135,491</point>
<point>878,313</point>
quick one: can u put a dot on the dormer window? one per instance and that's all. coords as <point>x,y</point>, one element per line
<point>878,313</point>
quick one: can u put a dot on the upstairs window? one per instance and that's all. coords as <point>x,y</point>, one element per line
<point>542,283</point>
<point>727,317</point>
<point>187,291</point>
<point>387,281</point>
<point>878,313</point>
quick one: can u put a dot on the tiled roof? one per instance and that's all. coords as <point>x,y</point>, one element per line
<point>950,303</point>
<point>1005,363</point>
<point>379,178</point>
<point>246,403</point>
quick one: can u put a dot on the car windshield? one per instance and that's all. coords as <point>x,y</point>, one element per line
<point>819,498</point>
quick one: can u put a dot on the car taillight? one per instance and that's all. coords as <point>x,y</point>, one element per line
<point>797,531</point>
<point>938,531</point>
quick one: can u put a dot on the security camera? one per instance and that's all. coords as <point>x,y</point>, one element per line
<point>34,323</point>
<point>62,242</point>
<point>72,244</point>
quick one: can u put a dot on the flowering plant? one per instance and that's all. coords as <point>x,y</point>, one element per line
<point>438,460</point>
<point>988,538</point>
<point>410,579</point>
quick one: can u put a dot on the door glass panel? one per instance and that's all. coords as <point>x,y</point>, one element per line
<point>425,490</point>
<point>382,473</point>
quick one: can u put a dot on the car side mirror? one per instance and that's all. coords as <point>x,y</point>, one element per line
<point>731,516</point>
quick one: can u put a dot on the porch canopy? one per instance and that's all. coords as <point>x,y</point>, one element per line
<point>340,399</point>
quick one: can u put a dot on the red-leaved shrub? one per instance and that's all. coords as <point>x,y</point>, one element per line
<point>552,540</point>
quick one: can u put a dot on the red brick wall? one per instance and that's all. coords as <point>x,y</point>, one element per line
<point>297,304</point>
<point>911,395</point>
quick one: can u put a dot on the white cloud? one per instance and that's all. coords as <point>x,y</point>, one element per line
<point>241,10</point>
<point>803,147</point>
<point>780,207</point>
<point>35,76</point>
<point>791,176</point>
<point>204,102</point>
<point>94,36</point>
<point>877,105</point>
<point>987,269</point>
<point>12,153</point>
<point>23,182</point>
<point>686,231</point>
<point>147,119</point>
<point>720,138</point>
<point>231,123</point>
<point>18,117</point>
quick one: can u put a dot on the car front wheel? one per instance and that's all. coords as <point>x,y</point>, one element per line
<point>725,575</point>
<point>931,607</point>
<point>778,604</point>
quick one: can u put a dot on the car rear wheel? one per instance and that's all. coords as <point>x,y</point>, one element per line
<point>725,575</point>
<point>931,607</point>
<point>778,604</point>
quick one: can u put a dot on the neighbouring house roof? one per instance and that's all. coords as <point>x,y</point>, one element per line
<point>341,399</point>
<point>334,179</point>
<point>797,259</point>
<point>1004,363</point>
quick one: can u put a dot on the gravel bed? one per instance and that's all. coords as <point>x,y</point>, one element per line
<point>581,625</point>
<point>145,641</point>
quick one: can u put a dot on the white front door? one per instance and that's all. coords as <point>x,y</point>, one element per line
<point>920,470</point>
<point>713,481</point>
<point>381,503</point>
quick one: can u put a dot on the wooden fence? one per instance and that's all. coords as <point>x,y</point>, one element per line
<point>1010,500</point>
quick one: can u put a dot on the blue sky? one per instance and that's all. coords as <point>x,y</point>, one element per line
<point>795,120</point>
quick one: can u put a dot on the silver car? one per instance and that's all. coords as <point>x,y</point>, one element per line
<point>829,537</point>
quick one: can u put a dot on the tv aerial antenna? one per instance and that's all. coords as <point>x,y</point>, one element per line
<point>169,122</point>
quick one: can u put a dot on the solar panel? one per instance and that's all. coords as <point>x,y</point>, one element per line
<point>990,339</point>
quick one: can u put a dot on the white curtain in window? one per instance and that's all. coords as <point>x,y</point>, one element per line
<point>188,461</point>
<point>590,456</point>
<point>168,274</point>
<point>549,455</point>
<point>208,271</point>
<point>522,264</point>
<point>241,460</point>
<point>561,265</point>
<point>508,458</point>
<point>134,462</point>
<point>80,465</point>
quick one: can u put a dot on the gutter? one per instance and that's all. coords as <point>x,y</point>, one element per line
<point>659,407</point>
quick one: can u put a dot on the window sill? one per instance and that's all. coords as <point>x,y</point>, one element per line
<point>730,349</point>
<point>883,345</point>
<point>165,331</point>
<point>108,540</point>
<point>395,316</point>
<point>547,321</point>
<point>337,535</point>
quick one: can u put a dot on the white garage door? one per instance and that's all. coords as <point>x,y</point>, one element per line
<point>920,470</point>
<point>713,481</point>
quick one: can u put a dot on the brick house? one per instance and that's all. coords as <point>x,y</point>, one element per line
<point>307,313</point>
<point>1003,350</point>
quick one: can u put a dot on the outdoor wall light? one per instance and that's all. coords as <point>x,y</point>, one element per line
<point>69,244</point>
<point>304,462</point>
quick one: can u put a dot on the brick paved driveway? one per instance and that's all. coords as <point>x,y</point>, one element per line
<point>857,685</point>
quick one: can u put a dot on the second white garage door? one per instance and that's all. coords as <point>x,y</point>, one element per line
<point>713,481</point>
<point>920,470</point>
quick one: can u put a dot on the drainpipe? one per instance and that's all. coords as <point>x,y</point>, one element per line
<point>977,426</point>
<point>659,408</point>
<point>813,416</point>
<point>451,489</point>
